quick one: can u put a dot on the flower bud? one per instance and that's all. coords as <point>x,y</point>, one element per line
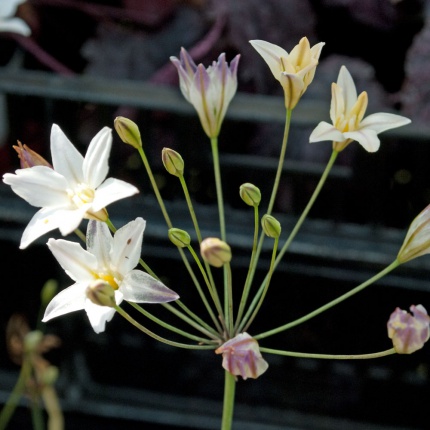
<point>271,226</point>
<point>128,131</point>
<point>49,290</point>
<point>409,333</point>
<point>241,356</point>
<point>32,340</point>
<point>28,157</point>
<point>179,237</point>
<point>101,293</point>
<point>173,162</point>
<point>250,194</point>
<point>215,251</point>
<point>50,375</point>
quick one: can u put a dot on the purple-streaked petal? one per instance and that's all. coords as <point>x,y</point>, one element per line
<point>99,242</point>
<point>110,191</point>
<point>139,287</point>
<point>380,122</point>
<point>326,131</point>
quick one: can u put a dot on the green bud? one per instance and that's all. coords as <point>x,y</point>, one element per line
<point>172,161</point>
<point>101,293</point>
<point>32,340</point>
<point>50,375</point>
<point>128,131</point>
<point>179,237</point>
<point>271,226</point>
<point>215,251</point>
<point>48,291</point>
<point>250,194</point>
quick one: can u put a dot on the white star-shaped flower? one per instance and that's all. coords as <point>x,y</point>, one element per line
<point>107,259</point>
<point>74,189</point>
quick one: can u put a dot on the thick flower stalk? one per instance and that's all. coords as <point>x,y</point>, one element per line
<point>348,123</point>
<point>9,22</point>
<point>294,71</point>
<point>74,189</point>
<point>241,357</point>
<point>417,240</point>
<point>108,260</point>
<point>209,90</point>
<point>409,332</point>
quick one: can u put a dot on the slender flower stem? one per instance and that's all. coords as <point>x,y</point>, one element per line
<point>329,305</point>
<point>228,300</point>
<point>36,413</point>
<point>220,200</point>
<point>329,356</point>
<point>248,322</point>
<point>228,402</point>
<point>175,329</point>
<point>80,235</point>
<point>132,321</point>
<point>251,268</point>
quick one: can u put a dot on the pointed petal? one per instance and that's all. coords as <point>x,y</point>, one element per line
<point>69,219</point>
<point>110,191</point>
<point>326,131</point>
<point>39,185</point>
<point>127,246</point>
<point>66,159</point>
<point>78,263</point>
<point>139,287</point>
<point>15,25</point>
<point>271,54</point>
<point>100,315</point>
<point>99,242</point>
<point>367,138</point>
<point>293,86</point>
<point>349,91</point>
<point>380,122</point>
<point>95,167</point>
<point>69,300</point>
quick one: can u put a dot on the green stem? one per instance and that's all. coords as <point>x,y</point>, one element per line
<point>329,356</point>
<point>220,200</point>
<point>81,235</point>
<point>143,329</point>
<point>36,414</point>
<point>228,402</point>
<point>329,305</point>
<point>228,300</point>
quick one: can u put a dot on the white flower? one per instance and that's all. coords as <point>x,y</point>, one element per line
<point>347,112</point>
<point>107,259</point>
<point>72,190</point>
<point>9,23</point>
<point>294,71</point>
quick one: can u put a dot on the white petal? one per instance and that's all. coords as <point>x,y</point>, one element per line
<point>69,300</point>
<point>110,191</point>
<point>99,242</point>
<point>96,167</point>
<point>139,287</point>
<point>46,219</point>
<point>69,219</point>
<point>127,246</point>
<point>15,25</point>
<point>39,185</point>
<point>349,91</point>
<point>380,122</point>
<point>66,159</point>
<point>271,54</point>
<point>100,315</point>
<point>78,263</point>
<point>326,131</point>
<point>367,138</point>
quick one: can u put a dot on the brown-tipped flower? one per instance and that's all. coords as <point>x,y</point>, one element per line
<point>179,237</point>
<point>271,226</point>
<point>173,162</point>
<point>409,333</point>
<point>28,157</point>
<point>417,240</point>
<point>215,251</point>
<point>128,131</point>
<point>101,293</point>
<point>250,194</point>
<point>241,356</point>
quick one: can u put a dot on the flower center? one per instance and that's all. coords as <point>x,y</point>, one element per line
<point>81,195</point>
<point>109,279</point>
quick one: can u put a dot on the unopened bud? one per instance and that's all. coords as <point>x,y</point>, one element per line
<point>179,237</point>
<point>128,131</point>
<point>101,293</point>
<point>250,194</point>
<point>172,161</point>
<point>28,157</point>
<point>32,340</point>
<point>49,290</point>
<point>271,226</point>
<point>50,375</point>
<point>215,251</point>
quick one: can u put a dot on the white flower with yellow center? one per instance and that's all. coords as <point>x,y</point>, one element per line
<point>107,259</point>
<point>347,113</point>
<point>75,188</point>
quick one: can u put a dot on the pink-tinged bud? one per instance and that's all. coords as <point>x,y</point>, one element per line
<point>28,157</point>
<point>409,333</point>
<point>241,356</point>
<point>128,131</point>
<point>417,240</point>
<point>215,251</point>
